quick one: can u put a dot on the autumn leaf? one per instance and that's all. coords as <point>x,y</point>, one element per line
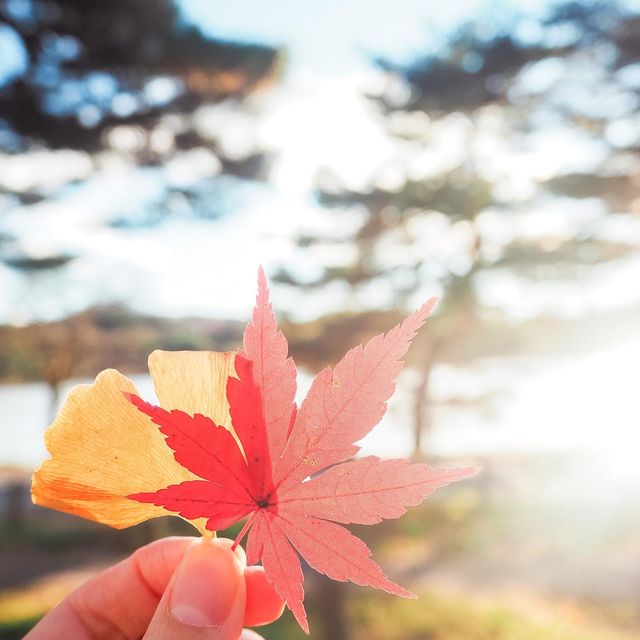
<point>228,442</point>
<point>266,476</point>
<point>102,449</point>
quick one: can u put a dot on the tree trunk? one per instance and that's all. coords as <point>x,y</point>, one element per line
<point>422,408</point>
<point>332,598</point>
<point>54,399</point>
<point>16,501</point>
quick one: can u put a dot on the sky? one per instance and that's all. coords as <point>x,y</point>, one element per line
<point>12,54</point>
<point>330,45</point>
<point>333,36</point>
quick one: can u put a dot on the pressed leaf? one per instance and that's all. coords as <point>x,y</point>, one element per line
<point>268,543</point>
<point>345,403</point>
<point>273,372</point>
<point>221,506</point>
<point>334,551</point>
<point>367,490</point>
<point>193,381</point>
<point>214,459</point>
<point>101,451</point>
<point>199,444</point>
<point>246,410</point>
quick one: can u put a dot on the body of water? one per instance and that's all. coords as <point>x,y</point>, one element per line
<point>578,407</point>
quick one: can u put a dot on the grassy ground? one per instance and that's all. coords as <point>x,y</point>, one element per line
<point>434,616</point>
<point>438,616</point>
<point>485,567</point>
<point>21,608</point>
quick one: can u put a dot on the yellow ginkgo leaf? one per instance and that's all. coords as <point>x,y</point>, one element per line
<point>102,449</point>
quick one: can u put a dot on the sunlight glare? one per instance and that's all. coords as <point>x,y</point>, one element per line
<point>592,405</point>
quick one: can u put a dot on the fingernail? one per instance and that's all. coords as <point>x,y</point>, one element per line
<point>205,586</point>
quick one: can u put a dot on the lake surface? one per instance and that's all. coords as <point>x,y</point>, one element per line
<point>587,404</point>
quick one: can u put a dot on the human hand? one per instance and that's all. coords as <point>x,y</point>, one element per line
<point>178,588</point>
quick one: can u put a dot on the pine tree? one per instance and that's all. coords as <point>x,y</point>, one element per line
<point>451,222</point>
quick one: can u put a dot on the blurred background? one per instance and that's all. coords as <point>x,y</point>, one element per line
<point>369,154</point>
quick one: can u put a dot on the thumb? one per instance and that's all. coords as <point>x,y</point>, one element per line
<point>205,598</point>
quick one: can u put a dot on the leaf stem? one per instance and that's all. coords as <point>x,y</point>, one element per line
<point>244,530</point>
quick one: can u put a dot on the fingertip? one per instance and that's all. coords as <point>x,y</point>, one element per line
<point>207,590</point>
<point>238,551</point>
<point>249,634</point>
<point>264,605</point>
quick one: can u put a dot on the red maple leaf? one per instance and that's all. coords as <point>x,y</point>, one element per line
<point>267,479</point>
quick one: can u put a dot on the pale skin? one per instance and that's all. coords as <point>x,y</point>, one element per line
<point>178,588</point>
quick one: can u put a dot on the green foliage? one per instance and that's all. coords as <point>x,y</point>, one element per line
<point>17,629</point>
<point>440,616</point>
<point>122,44</point>
<point>103,337</point>
<point>436,616</point>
